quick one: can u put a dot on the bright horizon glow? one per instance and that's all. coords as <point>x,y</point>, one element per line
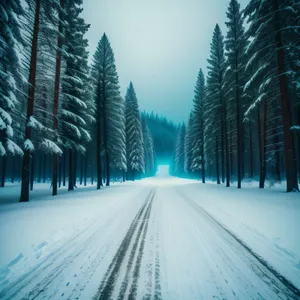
<point>163,171</point>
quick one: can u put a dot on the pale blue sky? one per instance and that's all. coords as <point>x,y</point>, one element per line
<point>159,45</point>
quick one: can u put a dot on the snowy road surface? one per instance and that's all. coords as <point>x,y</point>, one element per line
<point>155,243</point>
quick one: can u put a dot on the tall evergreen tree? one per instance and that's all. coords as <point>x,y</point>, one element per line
<point>188,145</point>
<point>134,136</point>
<point>109,109</point>
<point>236,43</point>
<point>198,156</point>
<point>148,149</point>
<point>75,113</point>
<point>57,89</point>
<point>216,97</point>
<point>180,152</point>
<point>274,42</point>
<point>28,145</point>
<point>10,69</point>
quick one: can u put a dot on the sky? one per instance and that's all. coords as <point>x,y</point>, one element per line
<point>159,45</point>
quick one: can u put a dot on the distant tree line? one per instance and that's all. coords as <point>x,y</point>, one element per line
<point>245,122</point>
<point>62,120</point>
<point>164,134</point>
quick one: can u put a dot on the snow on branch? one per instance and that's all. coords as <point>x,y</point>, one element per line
<point>35,124</point>
<point>50,146</point>
<point>13,148</point>
<point>28,145</point>
<point>295,128</point>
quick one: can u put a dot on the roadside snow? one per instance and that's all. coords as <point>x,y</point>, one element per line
<point>31,231</point>
<point>268,220</point>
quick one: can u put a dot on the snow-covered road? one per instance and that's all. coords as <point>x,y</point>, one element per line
<point>155,243</point>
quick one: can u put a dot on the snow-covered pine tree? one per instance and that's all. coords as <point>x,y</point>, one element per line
<point>39,26</point>
<point>273,45</point>
<point>57,83</point>
<point>217,100</point>
<point>180,152</point>
<point>10,69</point>
<point>198,154</point>
<point>118,159</point>
<point>188,145</point>
<point>148,149</point>
<point>236,44</point>
<point>109,110</point>
<point>134,135</point>
<point>28,145</point>
<point>76,110</point>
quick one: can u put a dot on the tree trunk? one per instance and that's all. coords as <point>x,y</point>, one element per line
<point>239,131</point>
<point>226,147</point>
<point>202,163</point>
<point>85,168</point>
<point>277,154</point>
<point>217,162</point>
<point>231,151</point>
<point>3,175</point>
<point>75,169</point>
<point>289,147</point>
<point>92,176</point>
<point>56,96</point>
<point>24,197</point>
<point>107,169</point>
<point>81,168</point>
<point>13,173</point>
<point>71,183</point>
<point>40,168</point>
<point>251,167</point>
<point>98,150</point>
<point>262,119</point>
<point>44,167</point>
<point>64,166</point>
<point>222,143</point>
<point>59,171</point>
<point>32,171</point>
<point>299,144</point>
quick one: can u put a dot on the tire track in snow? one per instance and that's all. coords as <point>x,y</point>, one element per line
<point>44,273</point>
<point>267,273</point>
<point>133,288</point>
<point>138,224</point>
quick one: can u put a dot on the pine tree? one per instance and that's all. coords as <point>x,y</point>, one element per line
<point>28,145</point>
<point>273,46</point>
<point>109,109</point>
<point>10,69</point>
<point>134,136</point>
<point>198,155</point>
<point>41,18</point>
<point>180,151</point>
<point>148,149</point>
<point>216,98</point>
<point>57,90</point>
<point>75,111</point>
<point>188,145</point>
<point>236,43</point>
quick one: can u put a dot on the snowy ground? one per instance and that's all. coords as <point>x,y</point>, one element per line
<point>161,238</point>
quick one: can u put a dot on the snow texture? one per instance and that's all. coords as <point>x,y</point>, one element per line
<point>160,238</point>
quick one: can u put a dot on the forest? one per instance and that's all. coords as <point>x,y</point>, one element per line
<point>64,120</point>
<point>246,115</point>
<point>61,118</point>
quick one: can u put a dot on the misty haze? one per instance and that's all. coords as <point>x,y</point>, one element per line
<point>149,150</point>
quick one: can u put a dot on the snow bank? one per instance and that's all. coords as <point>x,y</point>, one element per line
<point>29,232</point>
<point>266,220</point>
